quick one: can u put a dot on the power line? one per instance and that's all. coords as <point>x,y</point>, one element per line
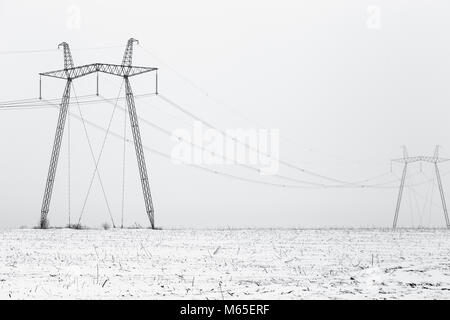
<point>167,132</point>
<point>49,104</point>
<point>29,103</point>
<point>178,107</point>
<point>246,145</point>
<point>41,104</point>
<point>32,51</point>
<point>167,156</point>
<point>224,174</point>
<point>321,185</point>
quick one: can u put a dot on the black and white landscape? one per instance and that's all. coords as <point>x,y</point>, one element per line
<point>224,150</point>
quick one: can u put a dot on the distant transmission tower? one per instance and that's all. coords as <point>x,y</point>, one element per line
<point>70,73</point>
<point>407,160</point>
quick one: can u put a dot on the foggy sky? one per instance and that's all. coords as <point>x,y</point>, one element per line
<point>345,91</point>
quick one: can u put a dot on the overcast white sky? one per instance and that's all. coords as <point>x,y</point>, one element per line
<point>346,82</point>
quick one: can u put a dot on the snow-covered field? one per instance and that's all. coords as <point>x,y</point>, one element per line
<point>225,264</point>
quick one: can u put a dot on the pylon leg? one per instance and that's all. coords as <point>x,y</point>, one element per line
<point>400,193</point>
<point>55,154</point>
<point>40,88</point>
<point>139,152</point>
<point>441,190</point>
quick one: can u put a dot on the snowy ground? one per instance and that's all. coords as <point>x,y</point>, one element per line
<point>225,264</point>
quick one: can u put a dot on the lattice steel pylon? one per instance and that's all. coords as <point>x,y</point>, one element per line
<point>69,73</point>
<point>435,159</point>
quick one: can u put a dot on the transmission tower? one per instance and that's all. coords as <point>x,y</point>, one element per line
<point>406,160</point>
<point>70,73</point>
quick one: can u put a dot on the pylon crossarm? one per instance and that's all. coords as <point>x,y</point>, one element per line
<point>421,159</point>
<point>121,71</point>
<point>113,69</point>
